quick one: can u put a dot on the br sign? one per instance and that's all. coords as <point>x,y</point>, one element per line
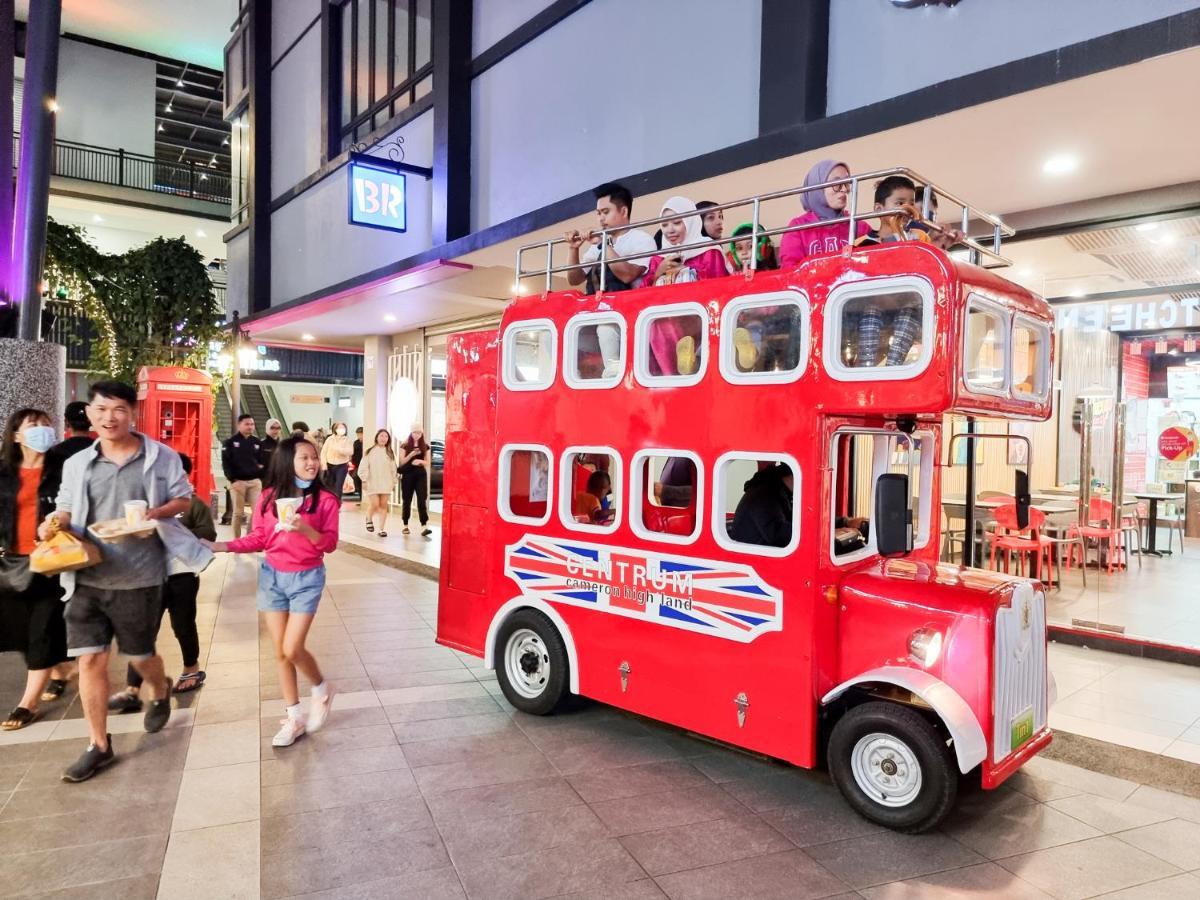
<point>377,197</point>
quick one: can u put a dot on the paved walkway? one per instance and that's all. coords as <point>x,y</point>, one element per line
<point>426,784</point>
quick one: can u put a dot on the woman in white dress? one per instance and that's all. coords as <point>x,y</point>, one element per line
<point>379,478</point>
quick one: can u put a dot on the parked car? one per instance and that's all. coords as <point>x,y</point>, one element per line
<point>438,453</point>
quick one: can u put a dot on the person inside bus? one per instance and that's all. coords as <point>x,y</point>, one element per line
<point>764,514</point>
<point>593,504</point>
<point>829,204</point>
<point>714,220</point>
<point>614,205</point>
<point>676,483</point>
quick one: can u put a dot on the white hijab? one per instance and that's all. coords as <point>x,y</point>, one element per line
<point>681,206</point>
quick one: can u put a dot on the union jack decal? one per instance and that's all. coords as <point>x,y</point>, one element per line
<point>721,599</point>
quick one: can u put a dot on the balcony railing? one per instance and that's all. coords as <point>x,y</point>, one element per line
<point>121,168</point>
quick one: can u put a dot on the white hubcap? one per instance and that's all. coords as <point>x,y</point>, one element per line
<point>527,663</point>
<point>886,769</point>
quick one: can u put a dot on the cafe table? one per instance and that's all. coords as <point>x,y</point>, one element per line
<point>1153,497</point>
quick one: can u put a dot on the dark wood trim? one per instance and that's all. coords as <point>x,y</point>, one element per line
<point>259,171</point>
<point>451,119</point>
<point>118,48</point>
<point>793,63</point>
<point>292,46</point>
<point>421,107</point>
<point>235,231</point>
<point>331,88</point>
<point>522,35</point>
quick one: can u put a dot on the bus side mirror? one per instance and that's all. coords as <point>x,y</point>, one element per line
<point>1021,495</point>
<point>893,518</point>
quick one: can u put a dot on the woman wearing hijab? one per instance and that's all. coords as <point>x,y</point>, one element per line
<point>681,258</point>
<point>827,204</point>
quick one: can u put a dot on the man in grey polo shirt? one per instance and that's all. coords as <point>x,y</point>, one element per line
<point>120,597</point>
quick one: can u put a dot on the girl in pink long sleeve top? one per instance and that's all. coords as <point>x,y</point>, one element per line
<point>291,578</point>
<point>823,204</point>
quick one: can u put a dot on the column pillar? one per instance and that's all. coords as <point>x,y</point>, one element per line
<point>376,350</point>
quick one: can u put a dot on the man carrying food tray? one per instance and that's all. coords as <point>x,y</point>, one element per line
<point>111,490</point>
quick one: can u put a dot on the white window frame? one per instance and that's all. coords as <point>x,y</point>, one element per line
<point>508,356</point>
<point>638,491</point>
<point>641,345</point>
<point>879,465</point>
<point>502,495</point>
<point>986,304</point>
<point>728,363</point>
<point>1042,362</point>
<point>832,332</point>
<point>719,496</point>
<point>566,497</point>
<point>571,350</point>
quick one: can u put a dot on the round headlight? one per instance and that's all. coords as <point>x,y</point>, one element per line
<point>925,646</point>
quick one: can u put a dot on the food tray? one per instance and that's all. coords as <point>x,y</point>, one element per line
<point>112,530</point>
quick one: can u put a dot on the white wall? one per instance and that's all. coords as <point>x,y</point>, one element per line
<point>936,43</point>
<point>296,112</point>
<point>550,121</point>
<point>494,19</point>
<point>105,98</point>
<point>289,21</point>
<point>237,291</point>
<point>313,246</point>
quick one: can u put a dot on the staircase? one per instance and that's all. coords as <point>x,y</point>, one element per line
<point>254,402</point>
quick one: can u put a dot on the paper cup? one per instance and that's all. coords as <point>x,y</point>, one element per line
<point>135,512</point>
<point>287,509</point>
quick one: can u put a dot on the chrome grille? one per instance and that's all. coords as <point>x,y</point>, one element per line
<point>1019,681</point>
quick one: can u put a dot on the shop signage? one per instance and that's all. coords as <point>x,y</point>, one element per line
<point>378,196</point>
<point>1177,444</point>
<point>1136,315</point>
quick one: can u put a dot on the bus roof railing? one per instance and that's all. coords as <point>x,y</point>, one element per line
<point>979,251</point>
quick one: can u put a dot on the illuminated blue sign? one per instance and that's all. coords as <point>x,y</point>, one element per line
<point>377,196</point>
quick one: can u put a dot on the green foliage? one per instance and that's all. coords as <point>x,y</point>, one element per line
<point>151,306</point>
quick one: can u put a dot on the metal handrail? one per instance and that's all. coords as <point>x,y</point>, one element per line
<point>979,251</point>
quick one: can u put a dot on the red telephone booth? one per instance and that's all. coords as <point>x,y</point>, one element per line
<point>175,406</point>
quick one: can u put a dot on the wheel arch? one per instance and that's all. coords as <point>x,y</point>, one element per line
<point>517,603</point>
<point>970,744</point>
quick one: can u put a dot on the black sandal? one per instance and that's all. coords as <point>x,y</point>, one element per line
<point>20,717</point>
<point>371,526</point>
<point>189,681</point>
<point>54,690</point>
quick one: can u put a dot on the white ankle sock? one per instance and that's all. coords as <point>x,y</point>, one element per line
<point>320,690</point>
<point>294,712</point>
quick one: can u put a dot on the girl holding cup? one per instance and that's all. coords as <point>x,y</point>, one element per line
<point>296,523</point>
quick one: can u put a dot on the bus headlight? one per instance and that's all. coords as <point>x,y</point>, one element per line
<point>925,646</point>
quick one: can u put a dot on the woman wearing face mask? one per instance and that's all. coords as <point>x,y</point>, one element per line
<point>415,459</point>
<point>823,205</point>
<point>336,452</point>
<point>31,609</point>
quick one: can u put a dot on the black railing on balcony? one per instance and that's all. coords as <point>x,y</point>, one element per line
<point>122,168</point>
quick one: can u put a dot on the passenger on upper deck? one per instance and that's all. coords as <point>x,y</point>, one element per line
<point>944,239</point>
<point>714,221</point>
<point>738,256</point>
<point>823,205</point>
<point>895,192</point>
<point>614,204</point>
<point>764,514</point>
<point>681,259</point>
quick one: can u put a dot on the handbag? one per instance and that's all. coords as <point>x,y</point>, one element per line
<point>15,574</point>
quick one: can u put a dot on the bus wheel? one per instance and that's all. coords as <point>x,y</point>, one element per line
<point>893,767</point>
<point>531,662</point>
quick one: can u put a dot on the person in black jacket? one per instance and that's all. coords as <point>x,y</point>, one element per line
<point>31,619</point>
<point>356,461</point>
<point>242,463</point>
<point>764,514</point>
<point>78,437</point>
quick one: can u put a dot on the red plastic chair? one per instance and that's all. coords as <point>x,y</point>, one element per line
<point>1103,527</point>
<point>1011,538</point>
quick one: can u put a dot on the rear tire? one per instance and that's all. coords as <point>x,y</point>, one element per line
<point>531,663</point>
<point>893,767</point>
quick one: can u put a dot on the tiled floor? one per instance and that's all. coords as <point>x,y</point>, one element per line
<point>427,784</point>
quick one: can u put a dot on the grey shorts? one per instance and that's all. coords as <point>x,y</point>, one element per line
<point>95,616</point>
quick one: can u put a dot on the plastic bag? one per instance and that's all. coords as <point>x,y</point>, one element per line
<point>63,552</point>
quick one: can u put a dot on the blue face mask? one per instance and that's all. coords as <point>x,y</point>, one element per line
<point>39,438</point>
<point>303,483</point>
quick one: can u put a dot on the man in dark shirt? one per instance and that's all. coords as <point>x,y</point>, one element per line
<point>242,463</point>
<point>356,460</point>
<point>78,437</point>
<point>764,514</point>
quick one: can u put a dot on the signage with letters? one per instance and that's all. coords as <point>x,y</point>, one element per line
<point>378,196</point>
<point>1135,315</point>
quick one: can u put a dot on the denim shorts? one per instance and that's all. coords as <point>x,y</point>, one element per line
<point>290,592</point>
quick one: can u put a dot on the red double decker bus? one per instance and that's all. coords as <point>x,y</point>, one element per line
<point>717,504</point>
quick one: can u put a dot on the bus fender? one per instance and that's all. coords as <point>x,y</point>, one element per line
<point>489,649</point>
<point>970,746</point>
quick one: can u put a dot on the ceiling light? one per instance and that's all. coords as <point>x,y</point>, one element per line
<point>1062,164</point>
<point>1147,226</point>
<point>203,177</point>
<point>53,105</point>
<point>97,218</point>
<point>388,317</point>
<point>1167,240</point>
<point>1025,273</point>
<point>225,143</point>
<point>307,337</point>
<point>179,83</point>
<point>200,232</point>
<point>169,107</point>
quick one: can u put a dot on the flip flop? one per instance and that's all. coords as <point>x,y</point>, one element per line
<point>54,690</point>
<point>20,717</point>
<point>189,681</point>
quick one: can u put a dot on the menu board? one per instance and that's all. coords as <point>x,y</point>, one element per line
<point>1183,382</point>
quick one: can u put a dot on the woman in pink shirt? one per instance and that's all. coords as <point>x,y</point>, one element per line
<point>296,523</point>
<point>823,204</point>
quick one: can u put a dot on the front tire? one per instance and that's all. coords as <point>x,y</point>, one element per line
<point>531,663</point>
<point>893,767</point>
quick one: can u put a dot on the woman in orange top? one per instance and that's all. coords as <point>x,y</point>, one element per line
<point>31,620</point>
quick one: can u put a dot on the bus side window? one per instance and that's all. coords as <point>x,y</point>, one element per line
<point>986,350</point>
<point>595,351</point>
<point>765,337</point>
<point>671,344</point>
<point>591,480</point>
<point>529,350</point>
<point>668,494</point>
<point>859,459</point>
<point>755,505</point>
<point>525,483</point>
<point>881,330</point>
<point>1030,359</point>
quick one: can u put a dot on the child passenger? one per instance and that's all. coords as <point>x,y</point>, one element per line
<point>292,575</point>
<point>823,205</point>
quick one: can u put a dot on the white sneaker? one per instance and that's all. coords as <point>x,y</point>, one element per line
<point>291,729</point>
<point>319,708</point>
<point>611,369</point>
